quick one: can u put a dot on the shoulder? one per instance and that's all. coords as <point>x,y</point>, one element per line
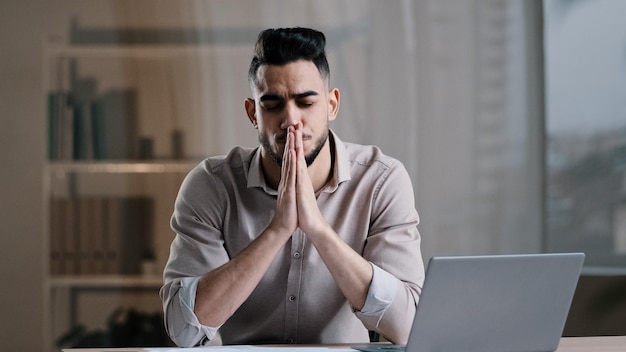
<point>364,163</point>
<point>219,169</point>
<point>360,155</point>
<point>368,165</point>
<point>237,158</point>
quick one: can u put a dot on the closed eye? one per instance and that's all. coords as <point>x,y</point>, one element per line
<point>271,105</point>
<point>271,102</point>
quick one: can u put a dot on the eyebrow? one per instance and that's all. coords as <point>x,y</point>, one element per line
<point>273,97</point>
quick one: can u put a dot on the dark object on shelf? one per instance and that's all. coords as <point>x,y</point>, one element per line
<point>146,148</point>
<point>126,328</point>
<point>178,151</point>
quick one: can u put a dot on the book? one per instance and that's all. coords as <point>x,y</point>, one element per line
<point>84,218</point>
<point>55,239</point>
<point>66,127</point>
<point>81,132</point>
<point>120,133</point>
<point>128,233</point>
<point>54,99</point>
<point>68,237</point>
<point>136,228</point>
<point>97,129</point>
<point>60,126</point>
<point>111,238</point>
<point>83,92</point>
<point>97,249</point>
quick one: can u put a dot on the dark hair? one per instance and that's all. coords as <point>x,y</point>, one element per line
<point>285,45</point>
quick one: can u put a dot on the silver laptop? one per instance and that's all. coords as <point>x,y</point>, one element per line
<point>495,303</point>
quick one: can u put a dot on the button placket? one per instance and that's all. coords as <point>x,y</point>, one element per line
<point>293,287</point>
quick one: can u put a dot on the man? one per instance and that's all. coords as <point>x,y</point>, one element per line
<point>304,239</point>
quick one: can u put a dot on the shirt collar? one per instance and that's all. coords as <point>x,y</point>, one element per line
<point>255,173</point>
<point>341,169</point>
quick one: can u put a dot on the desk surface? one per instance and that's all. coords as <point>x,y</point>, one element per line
<point>593,344</point>
<point>567,344</point>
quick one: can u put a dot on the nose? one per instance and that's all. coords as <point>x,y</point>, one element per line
<point>291,116</point>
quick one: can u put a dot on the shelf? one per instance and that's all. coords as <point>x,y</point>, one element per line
<point>142,51</point>
<point>122,166</point>
<point>106,281</point>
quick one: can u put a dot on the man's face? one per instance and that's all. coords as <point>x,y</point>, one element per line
<point>288,94</point>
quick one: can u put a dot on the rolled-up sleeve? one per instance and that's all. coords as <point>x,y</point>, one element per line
<point>181,323</point>
<point>382,291</point>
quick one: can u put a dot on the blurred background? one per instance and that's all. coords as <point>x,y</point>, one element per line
<point>510,117</point>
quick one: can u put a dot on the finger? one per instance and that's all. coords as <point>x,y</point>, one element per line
<point>299,144</point>
<point>286,148</point>
<point>304,182</point>
<point>289,160</point>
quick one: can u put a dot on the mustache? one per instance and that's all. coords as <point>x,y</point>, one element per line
<point>282,138</point>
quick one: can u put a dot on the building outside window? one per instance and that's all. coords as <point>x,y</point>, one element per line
<point>585,72</point>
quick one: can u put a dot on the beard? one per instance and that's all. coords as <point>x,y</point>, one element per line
<point>309,158</point>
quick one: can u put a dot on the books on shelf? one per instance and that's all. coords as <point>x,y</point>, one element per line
<point>100,235</point>
<point>132,119</point>
<point>101,127</point>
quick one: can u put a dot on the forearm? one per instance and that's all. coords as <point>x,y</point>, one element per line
<point>221,291</point>
<point>351,272</point>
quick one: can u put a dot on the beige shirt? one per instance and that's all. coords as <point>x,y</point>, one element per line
<point>225,203</point>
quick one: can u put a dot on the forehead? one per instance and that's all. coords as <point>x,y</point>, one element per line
<point>294,77</point>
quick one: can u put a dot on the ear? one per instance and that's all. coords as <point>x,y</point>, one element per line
<point>250,107</point>
<point>333,103</point>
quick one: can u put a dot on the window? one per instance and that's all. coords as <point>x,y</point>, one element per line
<point>585,71</point>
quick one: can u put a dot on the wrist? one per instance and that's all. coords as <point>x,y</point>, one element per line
<point>322,231</point>
<point>278,231</point>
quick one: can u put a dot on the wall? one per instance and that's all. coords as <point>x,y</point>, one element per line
<point>21,146</point>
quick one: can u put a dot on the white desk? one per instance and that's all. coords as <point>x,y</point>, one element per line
<point>568,344</point>
<point>593,344</point>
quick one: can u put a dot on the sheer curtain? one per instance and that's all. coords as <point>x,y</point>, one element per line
<point>479,129</point>
<point>451,88</point>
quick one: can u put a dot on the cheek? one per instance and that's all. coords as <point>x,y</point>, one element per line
<point>267,125</point>
<point>316,118</point>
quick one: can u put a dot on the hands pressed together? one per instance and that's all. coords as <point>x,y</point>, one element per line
<point>297,205</point>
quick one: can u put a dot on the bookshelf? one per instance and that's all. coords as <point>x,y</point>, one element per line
<point>97,264</point>
<point>109,191</point>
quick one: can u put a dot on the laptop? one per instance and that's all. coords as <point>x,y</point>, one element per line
<point>492,303</point>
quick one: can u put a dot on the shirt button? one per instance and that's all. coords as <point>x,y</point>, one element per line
<point>292,298</point>
<point>296,255</point>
